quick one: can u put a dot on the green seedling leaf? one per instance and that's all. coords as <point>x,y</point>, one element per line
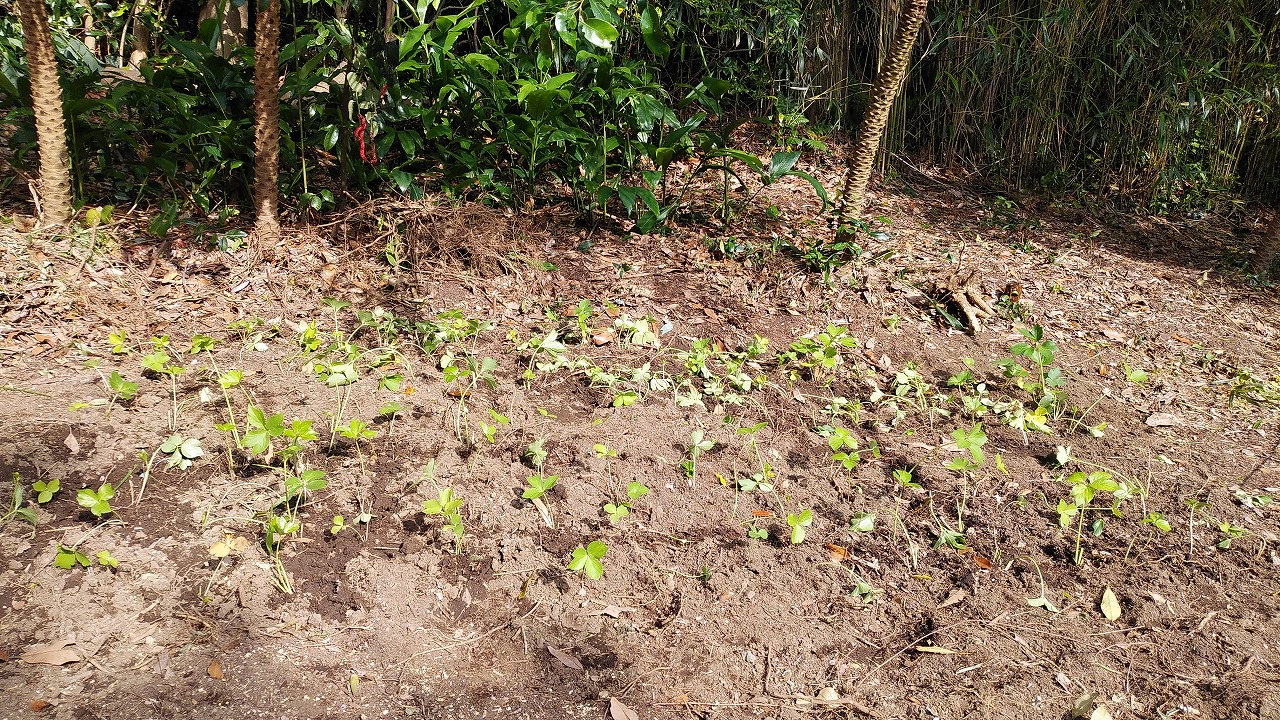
<point>116,339</point>
<point>120,387</point>
<point>625,398</point>
<point>230,379</point>
<point>338,525</point>
<point>539,484</point>
<point>69,557</point>
<point>181,451</point>
<point>588,560</point>
<point>1136,376</point>
<point>105,559</point>
<point>46,490</point>
<point>98,503</point>
<point>799,523</point>
<point>636,490</point>
<point>863,522</point>
<point>616,511</point>
<point>201,343</point>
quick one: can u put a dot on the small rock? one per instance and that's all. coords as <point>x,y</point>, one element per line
<point>828,694</point>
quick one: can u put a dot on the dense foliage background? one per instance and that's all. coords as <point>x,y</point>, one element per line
<point>1164,105</point>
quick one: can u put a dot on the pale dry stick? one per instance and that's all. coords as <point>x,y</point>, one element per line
<point>909,646</point>
<point>476,639</point>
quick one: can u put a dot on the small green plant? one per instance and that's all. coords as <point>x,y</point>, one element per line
<point>276,529</point>
<point>969,441</point>
<point>1042,382</point>
<point>121,389</point>
<point>45,490</point>
<point>182,452</point>
<point>16,506</point>
<point>799,524</point>
<point>539,485</point>
<point>698,444</point>
<point>843,445</point>
<point>448,506</point>
<point>337,525</point>
<point>1158,521</point>
<point>906,478</point>
<point>862,522</point>
<point>1228,531</point>
<point>297,488</point>
<point>118,340</point>
<point>1084,488</point>
<point>107,560</point>
<point>99,502</point>
<point>819,354</point>
<point>589,560</point>
<point>69,557</point>
<point>618,510</point>
<point>356,430</point>
<point>490,432</point>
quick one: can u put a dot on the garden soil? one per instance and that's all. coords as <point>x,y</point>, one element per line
<point>693,618</point>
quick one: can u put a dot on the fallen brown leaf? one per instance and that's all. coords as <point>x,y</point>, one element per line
<point>54,653</point>
<point>215,670</point>
<point>565,658</point>
<point>38,705</point>
<point>618,711</point>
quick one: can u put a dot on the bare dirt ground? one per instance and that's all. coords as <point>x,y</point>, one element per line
<point>930,581</point>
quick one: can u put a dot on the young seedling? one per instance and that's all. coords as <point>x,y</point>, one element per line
<point>69,557</point>
<point>98,503</point>
<point>297,488</point>
<point>182,452</point>
<point>799,524</point>
<point>45,490</point>
<point>617,511</point>
<point>539,483</point>
<point>844,446</point>
<point>355,431</point>
<point>588,560</point>
<point>906,478</point>
<point>338,524</point>
<point>277,528</point>
<point>490,432</point>
<point>157,363</point>
<point>107,560</point>
<point>449,507</point>
<point>698,444</point>
<point>121,389</point>
<point>16,506</point>
<point>862,522</point>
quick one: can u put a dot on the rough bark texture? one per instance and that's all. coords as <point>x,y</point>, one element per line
<point>879,103</point>
<point>1268,249</point>
<point>46,102</point>
<point>266,113</point>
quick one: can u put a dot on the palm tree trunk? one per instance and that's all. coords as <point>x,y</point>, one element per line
<point>266,113</point>
<point>46,104</point>
<point>1268,249</point>
<point>879,103</point>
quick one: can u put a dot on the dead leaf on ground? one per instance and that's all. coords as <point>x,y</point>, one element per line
<point>72,443</point>
<point>612,611</point>
<point>1162,420</point>
<point>215,670</point>
<point>38,705</point>
<point>618,711</point>
<point>565,658</point>
<point>953,597</point>
<point>54,653</point>
<point>1110,605</point>
<point>934,650</point>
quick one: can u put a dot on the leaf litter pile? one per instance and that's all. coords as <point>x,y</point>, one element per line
<point>489,467</point>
